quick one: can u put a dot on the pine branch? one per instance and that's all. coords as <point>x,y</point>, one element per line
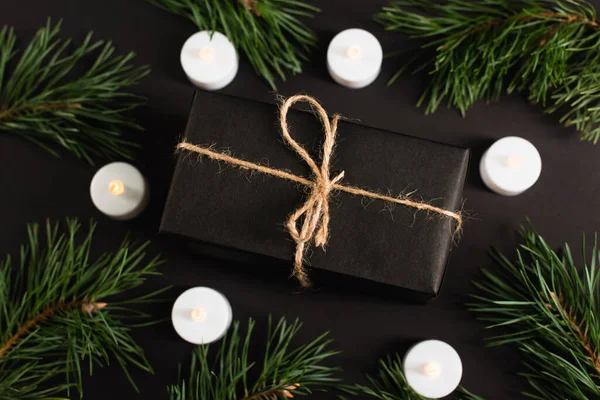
<point>52,310</point>
<point>548,308</point>
<point>547,49</point>
<point>286,371</point>
<point>57,309</point>
<point>269,32</point>
<point>57,98</point>
<point>390,384</point>
<point>578,330</point>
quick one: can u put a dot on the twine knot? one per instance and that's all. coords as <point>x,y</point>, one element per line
<point>310,222</point>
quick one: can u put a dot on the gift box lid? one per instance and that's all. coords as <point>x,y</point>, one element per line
<point>216,203</point>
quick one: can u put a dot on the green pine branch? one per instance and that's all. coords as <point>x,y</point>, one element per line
<point>58,96</point>
<point>480,50</point>
<point>270,32</point>
<point>57,311</point>
<point>546,305</point>
<point>286,371</point>
<point>390,384</point>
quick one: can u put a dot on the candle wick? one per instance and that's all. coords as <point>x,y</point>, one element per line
<point>354,52</point>
<point>198,314</point>
<point>207,54</point>
<point>116,188</point>
<point>432,369</point>
<point>514,161</point>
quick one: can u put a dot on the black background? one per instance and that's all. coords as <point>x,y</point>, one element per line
<point>563,203</point>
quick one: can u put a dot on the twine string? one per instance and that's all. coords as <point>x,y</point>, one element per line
<point>310,222</point>
<point>315,211</point>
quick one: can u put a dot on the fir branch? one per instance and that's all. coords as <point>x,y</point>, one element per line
<point>57,309</point>
<point>269,32</point>
<point>51,310</point>
<point>286,371</point>
<point>547,49</point>
<point>390,384</point>
<point>578,330</point>
<point>52,97</point>
<point>548,308</point>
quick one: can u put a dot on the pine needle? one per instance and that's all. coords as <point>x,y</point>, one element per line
<point>57,311</point>
<point>287,371</point>
<point>547,306</point>
<point>269,32</point>
<point>54,97</point>
<point>390,384</point>
<point>479,50</point>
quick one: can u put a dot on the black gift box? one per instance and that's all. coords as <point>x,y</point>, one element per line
<point>216,204</point>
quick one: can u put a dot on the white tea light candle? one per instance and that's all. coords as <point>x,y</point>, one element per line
<point>120,191</point>
<point>210,63</point>
<point>510,166</point>
<point>432,368</point>
<point>201,315</point>
<point>354,58</point>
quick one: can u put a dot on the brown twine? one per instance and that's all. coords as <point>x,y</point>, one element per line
<point>310,222</point>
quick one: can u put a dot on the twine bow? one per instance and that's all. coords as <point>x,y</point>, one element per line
<point>314,213</point>
<point>310,222</point>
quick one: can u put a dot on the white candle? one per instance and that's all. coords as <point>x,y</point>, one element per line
<point>209,63</point>
<point>354,58</point>
<point>510,166</point>
<point>201,315</point>
<point>120,191</point>
<point>432,368</point>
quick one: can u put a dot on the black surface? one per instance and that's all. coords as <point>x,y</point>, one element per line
<point>563,203</point>
<point>212,202</point>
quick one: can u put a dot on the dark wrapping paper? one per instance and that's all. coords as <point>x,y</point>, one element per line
<point>219,205</point>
